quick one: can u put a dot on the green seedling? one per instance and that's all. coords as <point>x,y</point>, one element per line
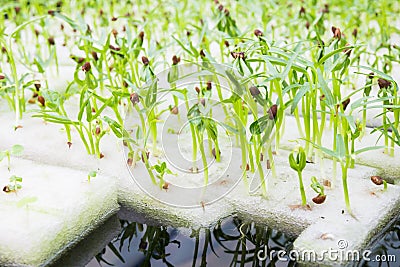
<point>91,174</point>
<point>298,164</point>
<point>162,170</point>
<point>344,156</point>
<point>14,185</point>
<point>15,150</point>
<point>319,189</point>
<point>379,181</point>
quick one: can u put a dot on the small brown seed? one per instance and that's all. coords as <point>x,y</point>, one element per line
<point>69,144</point>
<point>41,100</point>
<point>319,199</point>
<point>226,43</point>
<point>336,33</point>
<point>377,180</point>
<point>6,189</point>
<point>114,48</point>
<point>94,55</point>
<point>134,97</point>
<point>214,153</point>
<point>384,83</point>
<point>258,33</point>
<point>273,111</point>
<point>141,35</point>
<point>145,60</point>
<point>209,85</point>
<point>254,91</point>
<point>371,75</point>
<point>355,32</point>
<point>174,110</point>
<point>203,102</point>
<point>86,67</point>
<point>327,183</point>
<point>114,19</point>
<point>346,103</point>
<point>247,167</point>
<point>2,77</point>
<point>129,161</point>
<point>175,60</point>
<point>51,41</point>
<point>114,33</point>
<point>147,156</point>
<point>37,86</point>
<point>165,186</point>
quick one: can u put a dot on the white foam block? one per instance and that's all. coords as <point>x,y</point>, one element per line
<point>344,234</point>
<point>60,208</point>
<point>283,194</point>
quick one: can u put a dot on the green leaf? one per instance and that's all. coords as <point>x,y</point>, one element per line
<point>301,159</point>
<point>332,53</point>
<point>325,89</point>
<point>115,126</point>
<point>17,150</point>
<point>237,87</point>
<point>292,162</point>
<point>380,73</point>
<point>3,154</point>
<point>25,201</point>
<point>365,149</point>
<point>290,63</point>
<point>92,174</point>
<point>340,147</point>
<point>259,126</point>
<point>300,93</point>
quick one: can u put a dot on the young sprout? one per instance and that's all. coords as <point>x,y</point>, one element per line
<point>319,189</point>
<point>91,174</point>
<point>14,185</point>
<point>298,164</point>
<point>379,181</point>
<point>16,150</point>
<point>162,170</point>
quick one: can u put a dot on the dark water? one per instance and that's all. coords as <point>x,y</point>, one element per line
<point>229,243</point>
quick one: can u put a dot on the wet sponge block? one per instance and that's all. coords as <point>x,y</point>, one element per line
<point>55,208</point>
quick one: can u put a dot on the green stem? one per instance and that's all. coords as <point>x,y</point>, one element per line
<point>302,192</point>
<point>345,188</point>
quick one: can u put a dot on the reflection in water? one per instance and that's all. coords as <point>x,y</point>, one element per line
<point>230,242</point>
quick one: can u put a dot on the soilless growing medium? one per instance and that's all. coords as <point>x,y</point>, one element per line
<point>180,114</point>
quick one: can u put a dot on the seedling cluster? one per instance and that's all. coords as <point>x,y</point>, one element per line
<point>14,181</point>
<point>306,61</point>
